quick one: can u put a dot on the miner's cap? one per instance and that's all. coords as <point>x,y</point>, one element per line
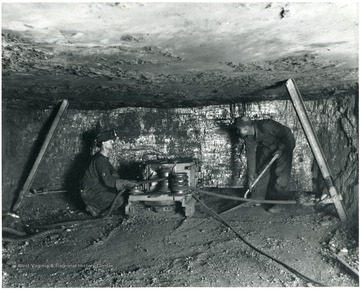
<point>242,121</point>
<point>106,136</point>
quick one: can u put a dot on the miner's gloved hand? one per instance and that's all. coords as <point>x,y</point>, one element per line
<point>278,152</point>
<point>130,183</point>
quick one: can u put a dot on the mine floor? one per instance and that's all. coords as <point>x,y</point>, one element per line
<point>164,249</point>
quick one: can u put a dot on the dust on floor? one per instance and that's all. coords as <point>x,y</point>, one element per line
<point>164,249</point>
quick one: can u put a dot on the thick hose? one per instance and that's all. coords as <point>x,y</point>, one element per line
<point>245,199</point>
<point>297,273</point>
<point>26,238</point>
<point>105,214</point>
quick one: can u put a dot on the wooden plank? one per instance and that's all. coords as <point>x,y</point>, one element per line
<point>153,197</point>
<point>44,146</point>
<point>347,265</point>
<point>315,147</point>
<point>245,204</point>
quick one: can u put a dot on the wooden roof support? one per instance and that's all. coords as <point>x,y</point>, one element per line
<point>315,147</point>
<point>44,146</point>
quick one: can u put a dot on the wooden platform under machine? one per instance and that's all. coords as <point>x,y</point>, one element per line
<point>166,183</point>
<point>186,200</point>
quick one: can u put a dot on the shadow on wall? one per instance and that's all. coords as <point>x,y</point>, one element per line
<point>77,168</point>
<point>237,146</point>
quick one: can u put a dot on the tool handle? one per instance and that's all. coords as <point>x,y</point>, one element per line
<point>276,156</point>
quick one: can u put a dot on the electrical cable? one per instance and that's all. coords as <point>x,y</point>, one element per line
<point>292,270</point>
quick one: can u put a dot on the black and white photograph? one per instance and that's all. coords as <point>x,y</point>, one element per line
<point>180,144</point>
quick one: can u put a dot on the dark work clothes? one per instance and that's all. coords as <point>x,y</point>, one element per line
<point>101,183</point>
<point>270,136</point>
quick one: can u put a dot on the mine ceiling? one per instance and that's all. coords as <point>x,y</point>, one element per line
<point>110,54</point>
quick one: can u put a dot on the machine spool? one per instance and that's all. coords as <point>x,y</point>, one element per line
<point>164,185</point>
<point>179,183</point>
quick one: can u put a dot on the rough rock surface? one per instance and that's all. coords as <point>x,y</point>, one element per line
<point>106,55</point>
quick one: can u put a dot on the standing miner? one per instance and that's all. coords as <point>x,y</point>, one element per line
<point>264,139</point>
<point>101,182</point>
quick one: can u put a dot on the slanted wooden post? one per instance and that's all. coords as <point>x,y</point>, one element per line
<point>315,147</point>
<point>44,146</point>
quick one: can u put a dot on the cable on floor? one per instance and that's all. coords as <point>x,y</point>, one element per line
<point>292,270</point>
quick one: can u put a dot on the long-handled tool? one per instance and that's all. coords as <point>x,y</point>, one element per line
<point>35,192</point>
<point>276,156</point>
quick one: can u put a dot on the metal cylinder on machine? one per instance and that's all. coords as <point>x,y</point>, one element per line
<point>179,183</point>
<point>164,185</point>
